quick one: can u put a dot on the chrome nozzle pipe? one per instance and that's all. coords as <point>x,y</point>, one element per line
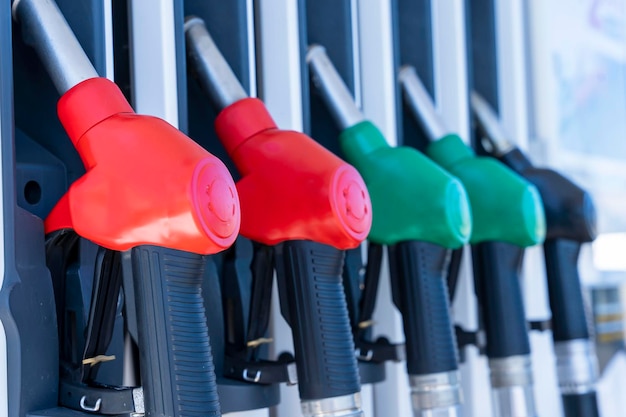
<point>214,74</point>
<point>490,126</point>
<point>343,406</point>
<point>46,30</point>
<point>436,395</point>
<point>512,387</point>
<point>334,91</point>
<point>421,104</point>
<point>577,366</point>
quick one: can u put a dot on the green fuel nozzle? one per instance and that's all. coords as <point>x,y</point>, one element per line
<point>508,216</point>
<point>420,212</point>
<point>412,197</point>
<point>505,207</point>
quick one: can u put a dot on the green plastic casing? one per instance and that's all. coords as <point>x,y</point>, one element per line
<point>505,207</point>
<point>412,197</point>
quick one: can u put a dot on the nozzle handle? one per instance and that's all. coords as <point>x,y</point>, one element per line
<point>332,88</point>
<point>421,104</point>
<point>313,302</point>
<point>214,74</point>
<point>569,320</point>
<point>46,30</point>
<point>571,221</point>
<point>417,272</point>
<point>496,276</point>
<point>176,363</point>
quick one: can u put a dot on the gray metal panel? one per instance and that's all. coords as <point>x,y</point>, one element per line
<point>38,163</point>
<point>329,24</point>
<point>482,50</point>
<point>26,298</point>
<point>414,46</point>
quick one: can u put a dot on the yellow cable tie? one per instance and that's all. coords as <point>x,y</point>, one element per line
<point>98,359</point>
<point>259,341</point>
<point>367,323</point>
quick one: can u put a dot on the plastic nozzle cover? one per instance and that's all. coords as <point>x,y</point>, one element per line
<point>146,182</point>
<point>505,207</point>
<point>292,187</point>
<point>570,211</point>
<point>412,198</point>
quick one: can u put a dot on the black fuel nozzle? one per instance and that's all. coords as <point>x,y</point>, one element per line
<point>571,221</point>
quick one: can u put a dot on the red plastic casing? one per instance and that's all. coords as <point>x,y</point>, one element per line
<point>292,188</point>
<point>146,182</point>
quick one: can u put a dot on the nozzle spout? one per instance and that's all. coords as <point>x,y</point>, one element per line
<point>421,104</point>
<point>334,91</point>
<point>46,30</point>
<point>490,126</point>
<point>216,77</point>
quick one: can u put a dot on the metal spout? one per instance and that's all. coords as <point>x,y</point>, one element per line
<point>421,104</point>
<point>436,395</point>
<point>489,125</point>
<point>214,74</point>
<point>334,91</point>
<point>45,29</point>
<point>343,406</point>
<point>577,366</point>
<point>512,387</point>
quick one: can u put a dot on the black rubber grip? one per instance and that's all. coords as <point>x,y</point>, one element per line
<point>418,282</point>
<point>176,365</point>
<point>453,272</point>
<point>569,320</point>
<point>313,303</point>
<point>496,279</point>
<point>581,405</point>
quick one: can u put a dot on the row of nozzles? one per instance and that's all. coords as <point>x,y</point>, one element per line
<point>458,211</point>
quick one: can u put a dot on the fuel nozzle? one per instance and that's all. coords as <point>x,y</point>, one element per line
<point>421,104</point>
<point>571,221</point>
<point>309,206</point>
<point>151,192</point>
<point>420,212</point>
<point>489,126</point>
<point>508,215</point>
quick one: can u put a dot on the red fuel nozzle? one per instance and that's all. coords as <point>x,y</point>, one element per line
<point>146,182</point>
<point>292,188</point>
